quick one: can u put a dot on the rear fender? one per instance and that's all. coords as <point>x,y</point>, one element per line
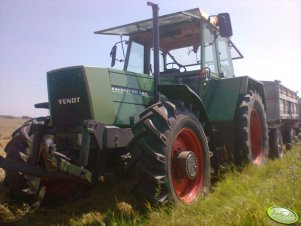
<point>223,96</point>
<point>248,83</point>
<point>221,99</point>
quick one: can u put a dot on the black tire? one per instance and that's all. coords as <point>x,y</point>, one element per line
<point>165,168</point>
<point>252,130</point>
<point>30,189</point>
<point>21,188</point>
<point>290,139</point>
<point>298,134</point>
<point>275,144</point>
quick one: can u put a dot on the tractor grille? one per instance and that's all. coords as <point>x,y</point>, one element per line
<point>68,97</point>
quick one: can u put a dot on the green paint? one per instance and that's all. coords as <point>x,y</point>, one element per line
<point>112,97</point>
<point>221,98</point>
<point>116,95</point>
<point>100,91</point>
<point>131,80</point>
<point>124,113</point>
<point>131,93</point>
<point>282,215</point>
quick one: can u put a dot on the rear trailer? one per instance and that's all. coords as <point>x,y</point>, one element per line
<point>283,114</point>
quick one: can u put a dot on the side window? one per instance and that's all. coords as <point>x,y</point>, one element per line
<point>210,57</point>
<point>136,58</point>
<point>225,59</point>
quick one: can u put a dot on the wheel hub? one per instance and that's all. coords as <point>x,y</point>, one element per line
<point>187,163</point>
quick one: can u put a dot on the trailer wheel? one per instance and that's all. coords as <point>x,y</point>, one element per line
<point>290,139</point>
<point>170,155</point>
<point>275,144</point>
<point>252,129</point>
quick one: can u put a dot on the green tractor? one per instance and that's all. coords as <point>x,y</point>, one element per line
<point>171,117</point>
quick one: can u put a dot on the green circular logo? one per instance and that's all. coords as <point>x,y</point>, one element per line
<point>282,215</point>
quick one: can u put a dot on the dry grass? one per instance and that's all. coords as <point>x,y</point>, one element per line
<point>7,126</point>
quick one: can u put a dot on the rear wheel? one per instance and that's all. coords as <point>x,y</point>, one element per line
<point>252,130</point>
<point>275,143</point>
<point>170,155</point>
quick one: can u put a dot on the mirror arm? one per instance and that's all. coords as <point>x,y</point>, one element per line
<point>114,52</point>
<point>122,41</point>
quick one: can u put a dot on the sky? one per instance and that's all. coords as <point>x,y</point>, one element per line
<point>37,36</point>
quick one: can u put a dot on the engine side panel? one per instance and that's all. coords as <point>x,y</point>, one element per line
<point>99,87</point>
<point>131,93</point>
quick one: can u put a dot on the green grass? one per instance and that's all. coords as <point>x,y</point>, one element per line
<point>240,198</point>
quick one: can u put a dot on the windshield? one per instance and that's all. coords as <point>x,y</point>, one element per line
<point>186,58</point>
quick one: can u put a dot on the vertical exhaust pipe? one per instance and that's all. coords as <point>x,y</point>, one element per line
<point>156,44</point>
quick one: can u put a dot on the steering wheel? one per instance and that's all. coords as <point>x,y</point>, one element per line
<point>181,68</point>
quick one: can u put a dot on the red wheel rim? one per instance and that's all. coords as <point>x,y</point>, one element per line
<point>187,189</point>
<point>256,137</point>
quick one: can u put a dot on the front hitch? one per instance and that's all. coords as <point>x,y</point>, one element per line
<point>77,174</point>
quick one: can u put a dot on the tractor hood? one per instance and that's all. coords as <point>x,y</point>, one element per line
<point>110,96</point>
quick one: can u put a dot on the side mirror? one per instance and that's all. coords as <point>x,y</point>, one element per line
<point>113,55</point>
<point>224,24</point>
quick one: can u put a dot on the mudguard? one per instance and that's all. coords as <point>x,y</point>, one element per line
<point>188,96</point>
<point>222,96</point>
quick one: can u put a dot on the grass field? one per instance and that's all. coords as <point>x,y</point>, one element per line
<point>239,198</point>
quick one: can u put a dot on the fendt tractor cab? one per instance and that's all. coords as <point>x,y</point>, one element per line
<point>173,114</point>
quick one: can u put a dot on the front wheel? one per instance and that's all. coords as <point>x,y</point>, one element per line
<point>30,189</point>
<point>22,187</point>
<point>170,155</point>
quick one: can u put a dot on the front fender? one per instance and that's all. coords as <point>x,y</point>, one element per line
<point>190,98</point>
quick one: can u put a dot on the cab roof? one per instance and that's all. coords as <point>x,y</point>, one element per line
<point>146,25</point>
